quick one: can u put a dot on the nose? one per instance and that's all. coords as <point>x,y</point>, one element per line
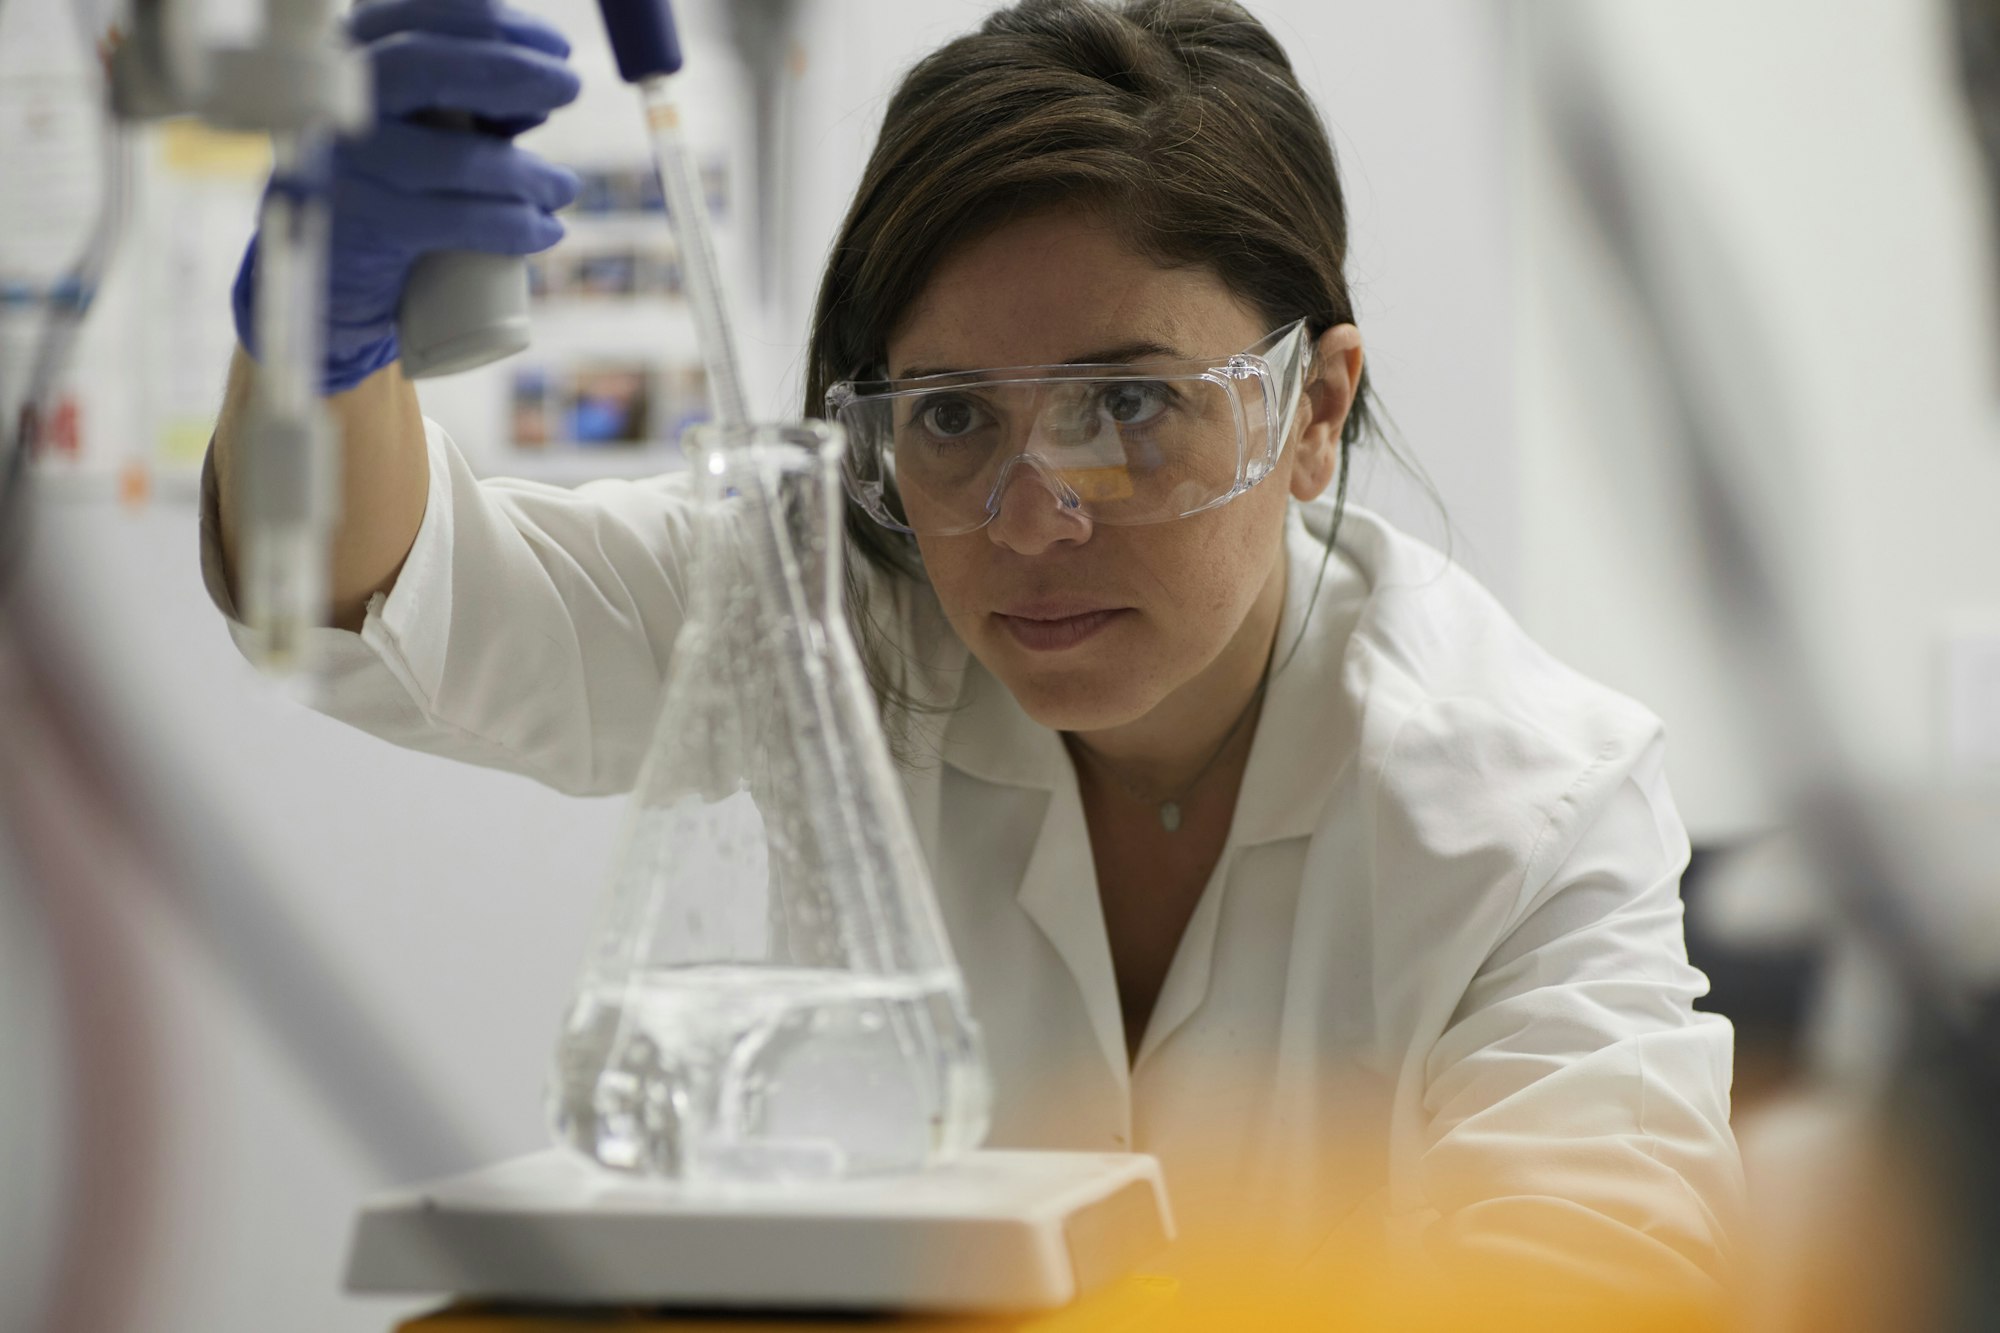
<point>1037,512</point>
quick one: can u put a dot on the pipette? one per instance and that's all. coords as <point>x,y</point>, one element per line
<point>649,56</point>
<point>284,486</point>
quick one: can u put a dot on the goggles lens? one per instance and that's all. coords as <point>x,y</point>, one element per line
<point>1125,444</point>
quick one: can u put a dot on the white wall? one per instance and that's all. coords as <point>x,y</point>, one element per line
<point>1822,146</point>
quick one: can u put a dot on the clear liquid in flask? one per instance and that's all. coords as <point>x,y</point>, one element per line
<point>754,1072</point>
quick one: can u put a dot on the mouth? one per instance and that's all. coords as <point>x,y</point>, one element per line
<point>1047,630</point>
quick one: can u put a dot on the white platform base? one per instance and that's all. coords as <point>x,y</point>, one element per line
<point>995,1231</point>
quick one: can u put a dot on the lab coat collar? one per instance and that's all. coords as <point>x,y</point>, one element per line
<point>1306,735</point>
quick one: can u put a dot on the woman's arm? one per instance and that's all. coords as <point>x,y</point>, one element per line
<point>411,186</point>
<point>528,628</point>
<point>1578,1104</point>
<point>384,482</point>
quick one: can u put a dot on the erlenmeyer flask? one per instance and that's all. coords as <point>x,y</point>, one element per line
<point>771,995</point>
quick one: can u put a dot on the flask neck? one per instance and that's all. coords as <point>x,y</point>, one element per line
<point>807,527</point>
<point>778,492</point>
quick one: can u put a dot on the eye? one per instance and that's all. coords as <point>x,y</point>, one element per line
<point>1133,403</point>
<point>950,418</point>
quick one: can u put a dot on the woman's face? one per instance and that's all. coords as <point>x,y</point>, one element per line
<point>1093,626</point>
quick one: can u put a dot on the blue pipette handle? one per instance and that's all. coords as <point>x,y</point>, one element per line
<point>642,37</point>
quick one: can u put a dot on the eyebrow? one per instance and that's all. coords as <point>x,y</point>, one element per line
<point>1140,349</point>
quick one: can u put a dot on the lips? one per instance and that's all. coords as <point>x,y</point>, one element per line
<point>1054,628</point>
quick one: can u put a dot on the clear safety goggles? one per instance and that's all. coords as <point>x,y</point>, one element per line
<point>1126,444</point>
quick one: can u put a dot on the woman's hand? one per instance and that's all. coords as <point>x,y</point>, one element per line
<point>454,82</point>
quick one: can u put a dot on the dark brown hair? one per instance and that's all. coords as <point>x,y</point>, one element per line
<point>1181,121</point>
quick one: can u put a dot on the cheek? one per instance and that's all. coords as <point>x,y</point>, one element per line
<point>1194,579</point>
<point>952,566</point>
<point>961,575</point>
<point>1214,575</point>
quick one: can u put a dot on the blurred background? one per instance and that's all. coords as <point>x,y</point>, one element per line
<point>1816,218</point>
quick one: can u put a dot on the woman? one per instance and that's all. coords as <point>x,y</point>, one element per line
<point>1268,843</point>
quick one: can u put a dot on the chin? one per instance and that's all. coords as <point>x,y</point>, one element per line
<point>1073,700</point>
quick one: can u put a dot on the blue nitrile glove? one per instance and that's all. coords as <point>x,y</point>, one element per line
<point>410,187</point>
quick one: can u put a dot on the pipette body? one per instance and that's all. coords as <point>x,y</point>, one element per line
<point>648,49</point>
<point>687,210</point>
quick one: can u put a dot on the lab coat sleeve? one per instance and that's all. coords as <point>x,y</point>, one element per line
<point>529,629</point>
<point>1577,1104</point>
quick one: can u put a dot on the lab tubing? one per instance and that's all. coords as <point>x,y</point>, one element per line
<point>284,477</point>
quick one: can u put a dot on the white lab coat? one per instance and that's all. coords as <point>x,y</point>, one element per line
<point>1438,972</point>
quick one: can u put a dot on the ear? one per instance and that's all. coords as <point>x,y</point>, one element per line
<point>1329,398</point>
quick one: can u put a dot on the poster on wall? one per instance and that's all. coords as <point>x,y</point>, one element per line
<point>203,188</point>
<point>590,405</point>
<point>614,376</point>
<point>56,182</point>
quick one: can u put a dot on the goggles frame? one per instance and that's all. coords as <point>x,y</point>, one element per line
<point>1278,361</point>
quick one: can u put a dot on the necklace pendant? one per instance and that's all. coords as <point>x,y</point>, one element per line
<point>1170,816</point>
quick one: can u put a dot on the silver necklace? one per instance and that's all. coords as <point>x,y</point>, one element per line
<point>1170,808</point>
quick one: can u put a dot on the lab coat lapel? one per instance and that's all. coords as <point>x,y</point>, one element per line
<point>991,738</point>
<point>1186,984</point>
<point>1059,893</point>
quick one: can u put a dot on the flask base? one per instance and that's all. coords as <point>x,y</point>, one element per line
<point>994,1230</point>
